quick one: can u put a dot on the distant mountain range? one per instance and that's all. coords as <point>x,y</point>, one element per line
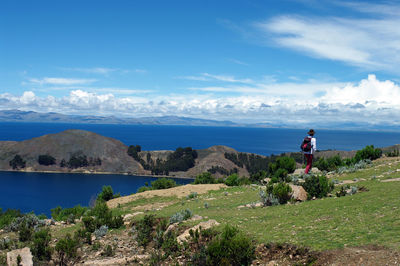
<point>30,116</point>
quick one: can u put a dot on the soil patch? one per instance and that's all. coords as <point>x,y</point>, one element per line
<point>180,192</point>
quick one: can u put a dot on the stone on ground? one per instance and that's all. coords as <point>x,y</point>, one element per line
<point>26,257</point>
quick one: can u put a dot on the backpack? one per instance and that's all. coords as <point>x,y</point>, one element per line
<point>306,144</point>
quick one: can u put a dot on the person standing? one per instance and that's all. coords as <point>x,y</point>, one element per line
<point>309,154</point>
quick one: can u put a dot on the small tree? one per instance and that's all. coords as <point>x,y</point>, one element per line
<point>40,247</point>
<point>317,186</point>
<point>17,162</point>
<point>66,249</point>
<point>205,178</point>
<point>46,160</point>
<point>106,193</point>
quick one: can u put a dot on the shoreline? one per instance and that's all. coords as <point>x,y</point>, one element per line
<point>94,173</point>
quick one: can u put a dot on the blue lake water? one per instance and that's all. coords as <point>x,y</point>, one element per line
<point>41,192</point>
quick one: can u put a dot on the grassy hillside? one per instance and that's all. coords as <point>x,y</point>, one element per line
<point>363,227</point>
<point>361,219</point>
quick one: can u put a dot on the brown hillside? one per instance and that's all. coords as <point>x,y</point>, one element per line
<point>112,152</point>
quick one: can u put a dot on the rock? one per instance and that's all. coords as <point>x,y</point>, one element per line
<point>196,218</point>
<point>26,257</point>
<point>48,222</point>
<point>118,261</point>
<point>298,193</point>
<point>204,225</point>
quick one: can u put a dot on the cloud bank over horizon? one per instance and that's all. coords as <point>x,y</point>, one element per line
<point>369,101</point>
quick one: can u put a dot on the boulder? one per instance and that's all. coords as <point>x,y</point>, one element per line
<point>204,225</point>
<point>298,193</point>
<point>26,257</point>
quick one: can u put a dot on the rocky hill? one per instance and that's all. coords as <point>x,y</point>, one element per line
<point>96,148</point>
<point>65,145</point>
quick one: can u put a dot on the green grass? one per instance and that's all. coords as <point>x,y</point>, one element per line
<point>362,219</point>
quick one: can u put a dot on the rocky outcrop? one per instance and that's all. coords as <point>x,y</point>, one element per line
<point>298,193</point>
<point>25,255</point>
<point>203,225</point>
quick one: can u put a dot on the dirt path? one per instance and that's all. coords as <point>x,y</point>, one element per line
<point>180,192</point>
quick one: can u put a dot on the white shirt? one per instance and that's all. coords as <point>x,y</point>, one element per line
<point>313,145</point>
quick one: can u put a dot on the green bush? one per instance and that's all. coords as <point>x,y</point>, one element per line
<point>282,192</point>
<point>144,230</point>
<point>89,223</point>
<point>369,152</point>
<point>66,249</point>
<point>317,186</point>
<point>205,178</point>
<point>60,214</point>
<point>393,153</point>
<point>25,232</point>
<point>163,183</point>
<point>106,194</point>
<point>143,189</point>
<point>329,164</point>
<point>232,180</point>
<point>287,163</point>
<point>41,245</point>
<point>8,216</point>
<point>231,247</point>
<point>46,160</point>
<point>258,177</point>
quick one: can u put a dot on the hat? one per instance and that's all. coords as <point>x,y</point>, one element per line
<point>311,132</point>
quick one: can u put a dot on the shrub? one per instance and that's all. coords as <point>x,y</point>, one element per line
<point>25,232</point>
<point>143,189</point>
<point>46,160</point>
<point>77,161</point>
<point>8,216</point>
<point>192,195</point>
<point>102,231</point>
<point>30,220</point>
<point>170,244</point>
<point>180,216</point>
<point>205,178</point>
<point>232,180</point>
<point>144,230</point>
<point>317,186</point>
<point>258,177</point>
<point>106,193</point>
<point>89,223</point>
<point>66,249</point>
<point>163,183</point>
<point>17,162</point>
<point>60,214</point>
<point>393,153</point>
<point>282,192</point>
<point>40,246</point>
<point>369,152</point>
<point>268,199</point>
<point>108,251</point>
<point>231,247</point>
<point>330,164</point>
<point>287,163</point>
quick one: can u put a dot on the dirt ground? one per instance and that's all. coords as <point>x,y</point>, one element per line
<point>287,254</point>
<point>180,192</point>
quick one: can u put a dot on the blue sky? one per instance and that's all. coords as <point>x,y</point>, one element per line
<point>299,62</point>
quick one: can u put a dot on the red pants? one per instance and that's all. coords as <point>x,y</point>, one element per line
<point>309,158</point>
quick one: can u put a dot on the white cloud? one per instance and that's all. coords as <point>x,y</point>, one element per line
<point>61,81</point>
<point>371,43</point>
<point>368,101</point>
